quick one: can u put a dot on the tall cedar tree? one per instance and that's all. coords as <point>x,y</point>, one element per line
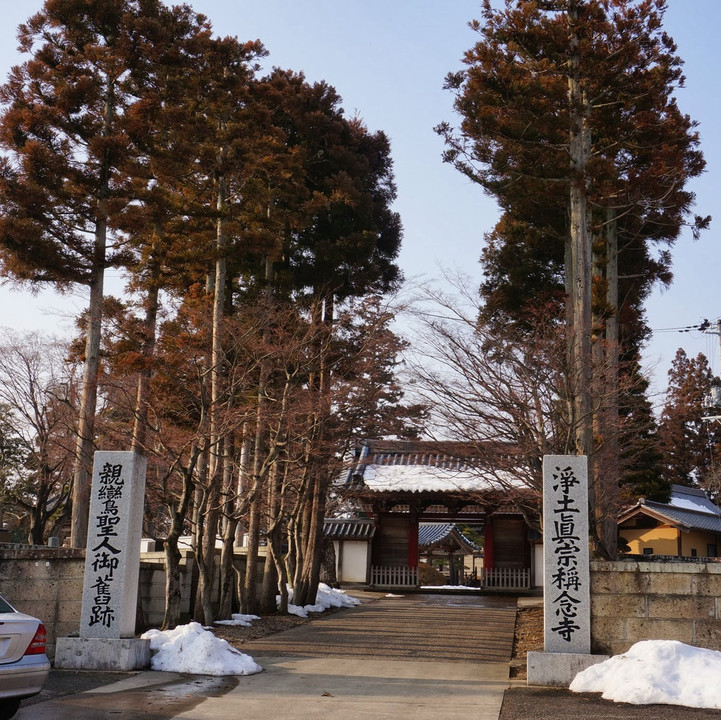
<point>60,183</point>
<point>312,222</point>
<point>513,140</point>
<point>339,239</point>
<point>569,121</point>
<point>690,446</point>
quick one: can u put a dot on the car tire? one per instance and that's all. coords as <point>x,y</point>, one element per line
<point>8,708</point>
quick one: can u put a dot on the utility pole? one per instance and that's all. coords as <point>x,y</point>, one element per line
<point>712,402</point>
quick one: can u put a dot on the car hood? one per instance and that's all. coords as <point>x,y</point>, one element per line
<point>16,632</point>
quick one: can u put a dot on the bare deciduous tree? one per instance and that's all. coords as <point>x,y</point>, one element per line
<point>38,388</point>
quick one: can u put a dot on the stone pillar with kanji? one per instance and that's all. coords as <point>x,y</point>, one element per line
<point>112,566</point>
<point>112,559</point>
<point>567,577</point>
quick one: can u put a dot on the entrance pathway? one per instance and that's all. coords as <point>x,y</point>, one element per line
<point>422,627</point>
<point>413,657</point>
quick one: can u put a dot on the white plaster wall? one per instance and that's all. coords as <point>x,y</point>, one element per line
<point>538,565</point>
<point>355,561</point>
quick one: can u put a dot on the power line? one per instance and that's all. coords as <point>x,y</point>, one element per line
<point>703,326</point>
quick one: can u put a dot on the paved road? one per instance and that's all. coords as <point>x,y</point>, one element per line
<point>418,656</point>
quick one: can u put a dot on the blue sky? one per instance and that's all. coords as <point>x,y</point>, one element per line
<point>387,60</point>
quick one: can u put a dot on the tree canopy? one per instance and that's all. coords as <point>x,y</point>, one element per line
<point>253,222</point>
<point>569,120</point>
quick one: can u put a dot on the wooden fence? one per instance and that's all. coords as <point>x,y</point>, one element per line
<point>491,579</point>
<point>394,576</point>
<point>505,579</point>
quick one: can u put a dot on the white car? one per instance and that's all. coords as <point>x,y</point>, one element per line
<point>24,666</point>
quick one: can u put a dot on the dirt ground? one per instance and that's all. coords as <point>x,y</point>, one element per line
<point>528,636</point>
<point>237,635</point>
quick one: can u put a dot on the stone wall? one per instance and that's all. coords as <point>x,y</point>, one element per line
<point>48,583</point>
<point>668,600</point>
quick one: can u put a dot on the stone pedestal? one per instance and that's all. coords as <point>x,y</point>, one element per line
<point>112,654</point>
<point>558,669</point>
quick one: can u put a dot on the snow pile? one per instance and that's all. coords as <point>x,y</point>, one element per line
<point>191,649</point>
<point>657,671</point>
<point>326,598</point>
<point>239,620</point>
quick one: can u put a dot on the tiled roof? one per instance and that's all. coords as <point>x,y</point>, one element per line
<point>687,498</point>
<point>418,466</point>
<point>349,528</point>
<point>688,508</point>
<point>437,533</point>
<point>689,519</point>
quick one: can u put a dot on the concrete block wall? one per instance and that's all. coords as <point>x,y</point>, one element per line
<point>151,586</point>
<point>634,600</point>
<point>46,583</point>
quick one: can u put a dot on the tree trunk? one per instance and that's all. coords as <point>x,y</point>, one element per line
<point>140,429</point>
<point>250,596</point>
<point>305,591</point>
<point>229,525</point>
<point>82,474</point>
<point>269,589</point>
<point>328,563</point>
<point>173,597</point>
<point>611,479</point>
<point>579,150</point>
<point>581,263</point>
<point>211,504</point>
<point>227,569</point>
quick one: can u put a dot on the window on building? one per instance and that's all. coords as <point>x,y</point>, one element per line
<point>711,550</point>
<point>648,551</point>
<point>693,552</point>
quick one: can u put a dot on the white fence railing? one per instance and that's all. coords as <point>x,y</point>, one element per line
<point>394,576</point>
<point>505,578</point>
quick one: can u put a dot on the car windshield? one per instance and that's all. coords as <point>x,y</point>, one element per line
<point>4,607</point>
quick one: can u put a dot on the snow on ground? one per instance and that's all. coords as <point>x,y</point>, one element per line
<point>657,671</point>
<point>193,649</point>
<point>448,587</point>
<point>239,620</point>
<point>326,598</point>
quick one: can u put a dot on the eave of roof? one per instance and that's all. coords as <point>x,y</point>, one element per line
<point>435,534</point>
<point>349,528</point>
<point>683,519</point>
